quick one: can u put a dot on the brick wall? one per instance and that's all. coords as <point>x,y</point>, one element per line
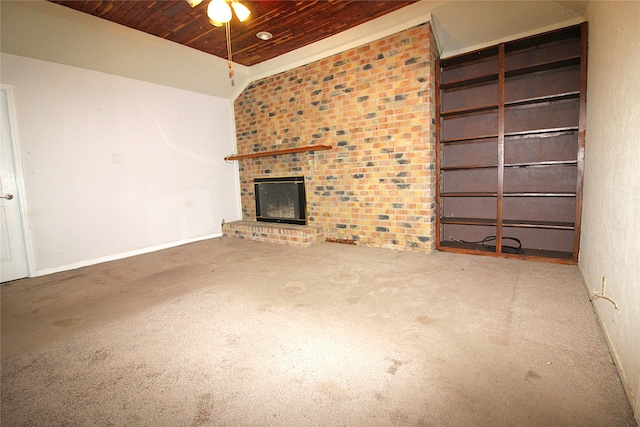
<point>375,105</point>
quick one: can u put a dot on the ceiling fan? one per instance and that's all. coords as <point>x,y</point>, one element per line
<point>219,14</point>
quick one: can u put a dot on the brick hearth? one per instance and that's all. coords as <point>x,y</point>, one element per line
<point>285,234</point>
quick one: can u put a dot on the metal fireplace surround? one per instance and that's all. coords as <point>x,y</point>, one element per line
<point>281,200</point>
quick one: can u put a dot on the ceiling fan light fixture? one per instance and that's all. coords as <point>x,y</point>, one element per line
<point>242,12</point>
<point>194,3</point>
<point>219,11</point>
<point>264,35</point>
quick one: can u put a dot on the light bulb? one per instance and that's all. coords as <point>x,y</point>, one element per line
<point>241,10</point>
<point>219,11</point>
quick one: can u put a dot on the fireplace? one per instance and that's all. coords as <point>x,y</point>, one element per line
<point>281,199</point>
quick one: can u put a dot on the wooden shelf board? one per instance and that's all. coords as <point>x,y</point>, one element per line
<point>548,99</point>
<point>469,58</point>
<point>524,223</point>
<point>547,66</point>
<point>551,225</point>
<point>513,165</point>
<point>541,133</point>
<point>542,164</point>
<point>532,254</point>
<point>469,194</point>
<point>537,194</point>
<point>471,139</point>
<point>506,194</point>
<point>279,152</point>
<point>470,82</point>
<point>468,111</point>
<point>552,133</point>
<point>457,168</point>
<point>467,221</point>
<point>561,36</point>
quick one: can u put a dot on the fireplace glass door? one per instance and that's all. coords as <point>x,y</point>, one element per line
<point>281,200</point>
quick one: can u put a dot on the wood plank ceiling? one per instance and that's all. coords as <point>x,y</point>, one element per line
<point>294,24</point>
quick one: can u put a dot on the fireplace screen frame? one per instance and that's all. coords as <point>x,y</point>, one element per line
<point>300,208</point>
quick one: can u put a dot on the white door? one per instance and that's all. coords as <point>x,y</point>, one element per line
<point>13,259</point>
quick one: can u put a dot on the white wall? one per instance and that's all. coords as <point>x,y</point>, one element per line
<point>115,166</point>
<point>610,243</point>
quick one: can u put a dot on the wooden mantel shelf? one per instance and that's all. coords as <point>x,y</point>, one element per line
<point>279,152</point>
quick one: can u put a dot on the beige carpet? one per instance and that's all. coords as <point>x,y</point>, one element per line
<point>236,333</point>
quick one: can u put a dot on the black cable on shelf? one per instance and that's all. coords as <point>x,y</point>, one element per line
<point>507,249</point>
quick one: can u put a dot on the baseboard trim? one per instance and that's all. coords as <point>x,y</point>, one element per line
<point>114,257</point>
<point>616,360</point>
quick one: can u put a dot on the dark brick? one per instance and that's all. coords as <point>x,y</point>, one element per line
<point>382,229</point>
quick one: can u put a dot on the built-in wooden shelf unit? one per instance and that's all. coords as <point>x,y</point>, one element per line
<point>510,130</point>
